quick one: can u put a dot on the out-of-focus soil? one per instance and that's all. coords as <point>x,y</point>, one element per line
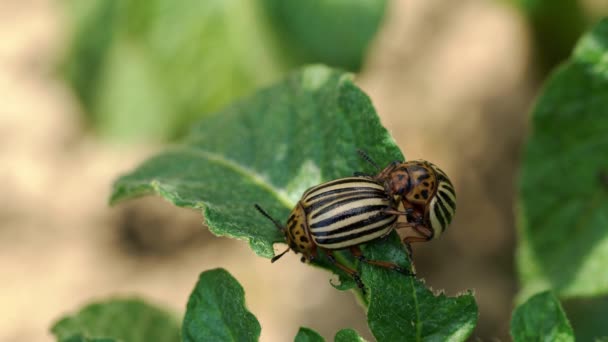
<point>449,81</point>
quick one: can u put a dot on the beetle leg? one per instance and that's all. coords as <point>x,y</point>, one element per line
<point>312,255</point>
<point>410,252</point>
<point>354,274</point>
<point>416,232</point>
<point>407,212</point>
<point>356,252</point>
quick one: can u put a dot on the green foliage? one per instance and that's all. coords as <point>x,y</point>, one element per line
<point>126,320</point>
<point>416,314</point>
<point>348,335</point>
<point>216,311</point>
<point>268,149</point>
<point>556,25</point>
<point>308,335</point>
<point>344,335</point>
<point>564,185</point>
<point>541,318</point>
<point>310,31</point>
<point>146,69</point>
<point>586,315</point>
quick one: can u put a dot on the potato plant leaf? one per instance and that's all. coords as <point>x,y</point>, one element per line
<point>417,314</point>
<point>563,230</point>
<point>82,338</point>
<point>308,335</point>
<point>316,43</point>
<point>216,311</point>
<point>348,335</point>
<point>126,320</point>
<point>541,318</point>
<point>268,149</point>
<point>146,69</point>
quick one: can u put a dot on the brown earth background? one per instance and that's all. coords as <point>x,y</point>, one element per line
<point>462,73</point>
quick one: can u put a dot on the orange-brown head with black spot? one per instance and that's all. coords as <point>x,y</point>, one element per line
<point>296,232</point>
<point>423,182</point>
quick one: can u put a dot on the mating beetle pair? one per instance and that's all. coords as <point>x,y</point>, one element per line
<point>347,212</point>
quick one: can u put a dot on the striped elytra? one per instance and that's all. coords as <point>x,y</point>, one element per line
<point>339,214</point>
<point>347,212</point>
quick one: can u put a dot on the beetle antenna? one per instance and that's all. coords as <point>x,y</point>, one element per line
<point>277,257</point>
<point>263,212</point>
<point>368,159</point>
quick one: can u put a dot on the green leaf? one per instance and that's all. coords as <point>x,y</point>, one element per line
<point>266,149</point>
<point>310,31</point>
<point>147,69</point>
<point>216,311</point>
<point>563,235</point>
<point>348,335</point>
<point>127,320</point>
<point>308,335</point>
<point>556,25</point>
<point>82,338</point>
<point>402,308</point>
<point>587,317</point>
<point>344,335</point>
<point>269,149</point>
<point>541,318</point>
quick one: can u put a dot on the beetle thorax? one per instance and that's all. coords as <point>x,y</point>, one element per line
<point>296,232</point>
<point>423,183</point>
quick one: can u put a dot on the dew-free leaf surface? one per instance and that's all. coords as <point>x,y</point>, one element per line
<point>126,320</point>
<point>563,230</point>
<point>541,318</point>
<point>348,335</point>
<point>268,149</point>
<point>146,70</point>
<point>309,30</point>
<point>308,335</point>
<point>216,311</point>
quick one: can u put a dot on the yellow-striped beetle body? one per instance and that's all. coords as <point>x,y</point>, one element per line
<point>426,190</point>
<point>347,212</point>
<point>342,213</point>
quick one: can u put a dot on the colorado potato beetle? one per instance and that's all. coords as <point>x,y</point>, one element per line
<point>340,214</point>
<point>425,192</point>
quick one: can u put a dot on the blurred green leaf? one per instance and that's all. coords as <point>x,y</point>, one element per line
<point>541,318</point>
<point>145,70</point>
<point>308,335</point>
<point>82,338</point>
<point>348,335</point>
<point>311,31</point>
<point>563,230</point>
<point>556,25</point>
<point>216,311</point>
<point>587,317</point>
<point>269,149</point>
<point>127,320</point>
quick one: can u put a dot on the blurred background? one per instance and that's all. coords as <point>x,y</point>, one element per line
<point>89,89</point>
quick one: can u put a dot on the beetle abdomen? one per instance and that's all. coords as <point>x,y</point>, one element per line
<point>347,212</point>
